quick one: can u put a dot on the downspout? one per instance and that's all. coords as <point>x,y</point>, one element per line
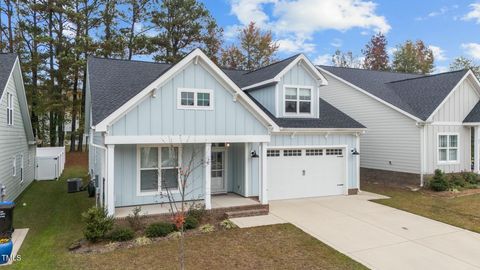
<point>423,153</point>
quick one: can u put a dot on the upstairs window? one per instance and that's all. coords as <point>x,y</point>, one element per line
<point>199,99</point>
<point>448,148</point>
<point>298,100</point>
<point>9,109</point>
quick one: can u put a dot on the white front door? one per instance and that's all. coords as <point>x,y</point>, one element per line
<point>218,171</point>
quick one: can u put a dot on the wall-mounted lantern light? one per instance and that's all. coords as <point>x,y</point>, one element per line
<point>254,154</point>
<point>355,152</point>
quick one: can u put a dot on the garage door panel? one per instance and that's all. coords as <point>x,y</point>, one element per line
<point>305,176</point>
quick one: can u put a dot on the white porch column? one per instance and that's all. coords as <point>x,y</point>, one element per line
<point>263,169</point>
<point>476,153</point>
<point>110,179</point>
<point>208,176</point>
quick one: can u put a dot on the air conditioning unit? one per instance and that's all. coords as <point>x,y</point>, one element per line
<point>74,185</point>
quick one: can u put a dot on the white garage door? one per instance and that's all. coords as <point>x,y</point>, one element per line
<point>300,173</point>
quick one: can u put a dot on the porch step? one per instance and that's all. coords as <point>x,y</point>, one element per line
<point>247,213</point>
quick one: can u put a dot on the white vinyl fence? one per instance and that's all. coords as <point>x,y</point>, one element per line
<point>49,163</point>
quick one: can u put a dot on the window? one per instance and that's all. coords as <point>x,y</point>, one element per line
<point>200,99</point>
<point>14,166</point>
<point>9,109</point>
<point>334,152</point>
<point>159,169</point>
<point>292,152</point>
<point>447,148</point>
<point>314,152</point>
<point>273,153</point>
<point>298,100</point>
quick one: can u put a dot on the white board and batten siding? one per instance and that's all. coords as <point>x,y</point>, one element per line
<point>448,120</point>
<point>14,144</point>
<point>392,141</point>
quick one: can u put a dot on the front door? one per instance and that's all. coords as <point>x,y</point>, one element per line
<point>218,171</point>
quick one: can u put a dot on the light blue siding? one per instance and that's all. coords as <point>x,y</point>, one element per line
<point>236,168</point>
<point>266,97</point>
<point>320,140</point>
<point>159,115</point>
<point>299,76</point>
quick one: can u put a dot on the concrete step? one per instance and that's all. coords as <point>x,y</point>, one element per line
<point>247,213</point>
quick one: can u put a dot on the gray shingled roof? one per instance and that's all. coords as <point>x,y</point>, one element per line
<point>113,82</point>
<point>418,95</point>
<point>330,117</point>
<point>474,115</point>
<point>7,60</point>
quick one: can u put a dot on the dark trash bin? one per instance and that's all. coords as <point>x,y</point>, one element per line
<point>6,218</point>
<point>74,185</point>
<point>91,189</point>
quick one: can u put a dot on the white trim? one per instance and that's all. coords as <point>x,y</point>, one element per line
<point>103,125</point>
<point>182,139</point>
<point>422,154</point>
<point>298,100</point>
<point>195,92</point>
<point>110,153</point>
<point>469,73</point>
<point>247,164</point>
<point>358,161</point>
<point>320,130</point>
<point>472,124</point>
<point>10,109</point>
<point>264,191</point>
<point>10,76</point>
<point>159,168</point>
<point>208,176</point>
<point>277,100</point>
<point>22,171</point>
<point>476,155</point>
<point>372,96</point>
<point>14,166</point>
<point>222,149</point>
<point>448,148</point>
<point>269,81</point>
<point>445,124</point>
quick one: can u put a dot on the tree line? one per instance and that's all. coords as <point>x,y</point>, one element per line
<point>409,57</point>
<point>54,38</point>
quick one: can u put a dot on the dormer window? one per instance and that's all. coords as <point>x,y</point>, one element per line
<point>298,100</point>
<point>195,99</point>
<point>9,109</point>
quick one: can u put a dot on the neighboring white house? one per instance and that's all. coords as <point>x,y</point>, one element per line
<point>17,143</point>
<point>416,123</point>
<point>264,133</point>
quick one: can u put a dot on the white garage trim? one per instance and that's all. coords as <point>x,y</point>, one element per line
<point>302,147</point>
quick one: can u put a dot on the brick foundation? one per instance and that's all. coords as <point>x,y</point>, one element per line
<point>352,191</point>
<point>389,177</point>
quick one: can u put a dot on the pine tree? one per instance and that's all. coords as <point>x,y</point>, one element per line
<point>375,53</point>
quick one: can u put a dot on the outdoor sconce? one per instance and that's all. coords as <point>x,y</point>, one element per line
<point>254,154</point>
<point>355,152</point>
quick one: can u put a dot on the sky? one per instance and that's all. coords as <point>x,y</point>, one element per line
<point>318,27</point>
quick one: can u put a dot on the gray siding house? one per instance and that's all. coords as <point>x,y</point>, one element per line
<point>17,143</point>
<point>416,123</point>
<point>255,135</point>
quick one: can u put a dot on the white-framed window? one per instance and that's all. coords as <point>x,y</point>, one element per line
<point>158,169</point>
<point>448,148</point>
<point>14,166</point>
<point>334,152</point>
<point>298,100</point>
<point>314,152</point>
<point>273,153</point>
<point>9,109</point>
<point>292,152</point>
<point>198,99</point>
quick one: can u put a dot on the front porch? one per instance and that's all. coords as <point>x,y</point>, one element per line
<point>223,201</point>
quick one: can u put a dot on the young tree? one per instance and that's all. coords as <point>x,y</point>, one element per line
<point>375,53</point>
<point>413,58</point>
<point>257,49</point>
<point>182,25</point>
<point>345,59</point>
<point>464,63</point>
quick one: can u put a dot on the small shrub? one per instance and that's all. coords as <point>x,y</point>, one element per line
<point>207,228</point>
<point>142,241</point>
<point>160,229</point>
<point>122,234</point>
<point>98,223</point>
<point>190,223</point>
<point>457,180</point>
<point>135,219</point>
<point>439,181</point>
<point>470,177</point>
<point>197,211</point>
<point>227,224</point>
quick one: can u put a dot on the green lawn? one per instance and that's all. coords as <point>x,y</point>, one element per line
<point>54,219</point>
<point>463,211</point>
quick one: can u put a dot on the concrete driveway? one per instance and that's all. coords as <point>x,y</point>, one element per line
<point>378,236</point>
